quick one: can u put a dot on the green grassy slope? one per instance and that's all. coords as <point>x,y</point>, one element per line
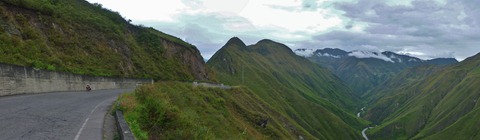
<point>307,93</point>
<point>364,74</point>
<point>76,36</point>
<point>436,105</point>
<point>406,78</point>
<point>466,128</point>
<point>360,74</point>
<point>173,110</point>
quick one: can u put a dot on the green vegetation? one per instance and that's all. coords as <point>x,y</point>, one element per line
<point>429,103</point>
<point>79,37</point>
<point>299,89</point>
<point>298,98</point>
<point>364,74</point>
<point>359,74</point>
<point>173,110</point>
<point>76,36</point>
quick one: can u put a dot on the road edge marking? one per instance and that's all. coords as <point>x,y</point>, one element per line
<point>86,120</point>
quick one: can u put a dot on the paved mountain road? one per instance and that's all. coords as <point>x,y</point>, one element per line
<point>363,133</point>
<point>52,116</point>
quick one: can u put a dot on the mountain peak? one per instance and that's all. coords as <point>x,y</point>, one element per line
<point>265,41</point>
<point>266,45</point>
<point>235,41</point>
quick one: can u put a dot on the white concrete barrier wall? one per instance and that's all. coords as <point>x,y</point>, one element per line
<point>21,80</point>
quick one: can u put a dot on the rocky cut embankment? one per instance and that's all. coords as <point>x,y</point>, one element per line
<point>83,38</point>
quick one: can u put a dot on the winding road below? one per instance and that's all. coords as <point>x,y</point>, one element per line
<point>364,130</point>
<point>363,133</point>
<point>60,115</point>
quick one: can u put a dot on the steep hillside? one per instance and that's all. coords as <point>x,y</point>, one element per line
<point>440,105</point>
<point>312,96</point>
<point>76,36</point>
<point>405,78</point>
<point>364,70</point>
<point>173,110</point>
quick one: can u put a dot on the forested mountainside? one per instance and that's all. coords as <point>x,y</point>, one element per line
<point>79,37</point>
<point>310,95</point>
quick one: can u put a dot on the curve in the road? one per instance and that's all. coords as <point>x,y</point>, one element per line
<point>364,134</point>
<point>86,120</point>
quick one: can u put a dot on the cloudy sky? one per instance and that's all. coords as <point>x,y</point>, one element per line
<point>422,28</point>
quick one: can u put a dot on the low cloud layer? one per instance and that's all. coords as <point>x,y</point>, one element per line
<point>422,28</point>
<point>367,54</point>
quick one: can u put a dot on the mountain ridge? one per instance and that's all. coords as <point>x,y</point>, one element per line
<point>343,53</point>
<point>364,70</point>
<point>437,105</point>
<point>293,85</point>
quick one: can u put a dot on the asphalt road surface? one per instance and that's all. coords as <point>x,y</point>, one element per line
<point>56,116</point>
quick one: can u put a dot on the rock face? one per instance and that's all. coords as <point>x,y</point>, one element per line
<point>191,58</point>
<point>78,37</point>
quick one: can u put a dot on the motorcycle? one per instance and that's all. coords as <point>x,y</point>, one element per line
<point>88,88</point>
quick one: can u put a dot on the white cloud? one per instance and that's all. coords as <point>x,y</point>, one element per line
<point>304,52</point>
<point>329,55</point>
<point>229,6</point>
<point>261,13</point>
<point>369,54</point>
<point>221,19</point>
<point>144,9</point>
<point>412,53</point>
<point>422,28</point>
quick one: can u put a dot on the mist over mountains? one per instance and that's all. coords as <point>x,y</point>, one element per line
<point>386,55</point>
<point>363,70</point>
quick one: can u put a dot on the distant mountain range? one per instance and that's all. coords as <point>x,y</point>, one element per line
<point>363,70</point>
<point>360,54</point>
